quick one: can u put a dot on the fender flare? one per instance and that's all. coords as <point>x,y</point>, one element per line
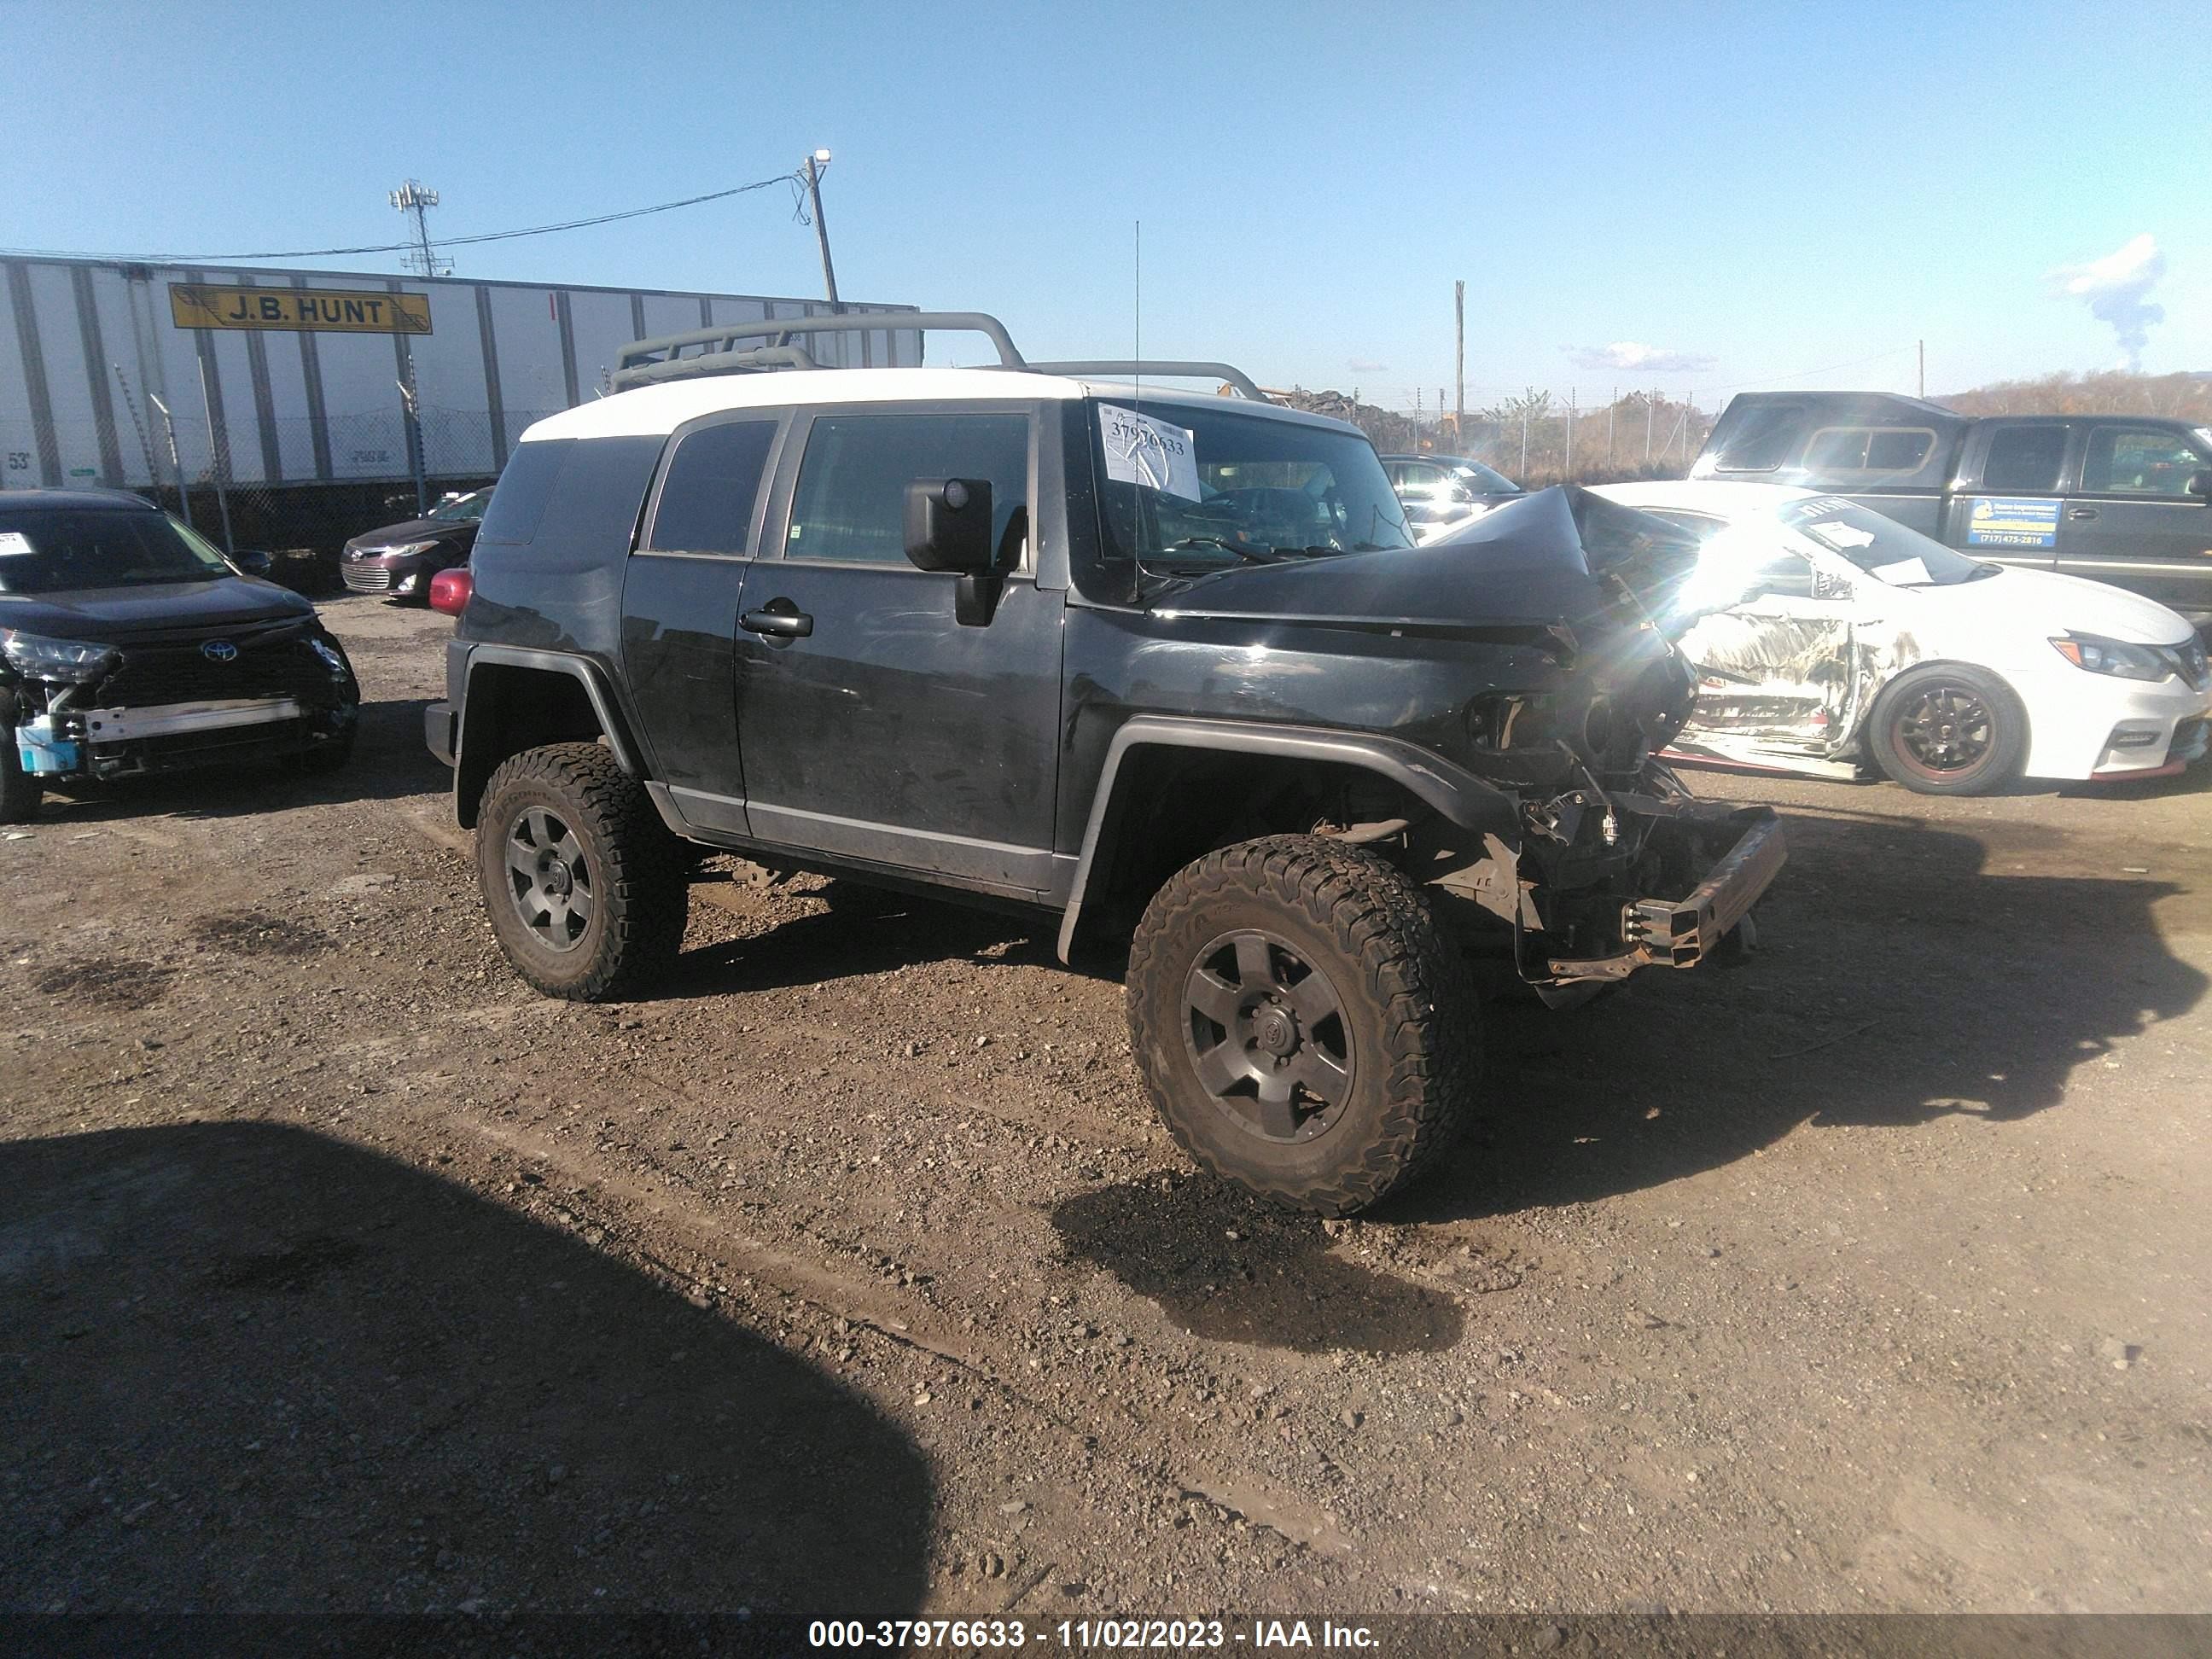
<point>580,669</point>
<point>1453,790</point>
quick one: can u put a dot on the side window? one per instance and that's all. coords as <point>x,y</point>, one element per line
<point>2138,461</point>
<point>2025,458</point>
<point>713,479</point>
<point>850,503</point>
<point>1869,449</point>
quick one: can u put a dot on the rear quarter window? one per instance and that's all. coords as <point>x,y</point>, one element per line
<point>518,501</point>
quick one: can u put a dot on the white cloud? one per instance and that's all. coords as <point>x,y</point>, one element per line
<point>1633,354</point>
<point>2117,289</point>
<point>1365,365</point>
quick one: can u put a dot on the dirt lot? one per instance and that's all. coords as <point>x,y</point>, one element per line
<point>339,1271</point>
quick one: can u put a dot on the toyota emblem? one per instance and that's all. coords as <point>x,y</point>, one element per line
<point>219,651</point>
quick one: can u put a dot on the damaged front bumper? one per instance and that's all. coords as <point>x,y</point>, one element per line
<point>1680,932</point>
<point>109,743</point>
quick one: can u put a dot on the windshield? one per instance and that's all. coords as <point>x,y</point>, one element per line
<point>1481,480</point>
<point>1881,547</point>
<point>463,509</point>
<point>1190,490</point>
<point>55,550</point>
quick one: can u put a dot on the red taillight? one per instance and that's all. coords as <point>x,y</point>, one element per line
<point>450,589</point>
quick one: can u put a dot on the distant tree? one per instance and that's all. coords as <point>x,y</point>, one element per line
<point>2109,391</point>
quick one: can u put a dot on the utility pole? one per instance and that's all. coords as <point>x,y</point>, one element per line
<point>1568,472</point>
<point>1459,363</point>
<point>814,165</point>
<point>1650,398</point>
<point>1924,369</point>
<point>411,198</point>
<point>1611,409</point>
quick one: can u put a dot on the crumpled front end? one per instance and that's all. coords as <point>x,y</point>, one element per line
<point>179,700</point>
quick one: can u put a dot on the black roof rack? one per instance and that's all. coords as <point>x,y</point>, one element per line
<point>648,362</point>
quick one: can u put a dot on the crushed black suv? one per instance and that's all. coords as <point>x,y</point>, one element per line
<point>1166,667</point>
<point>129,644</point>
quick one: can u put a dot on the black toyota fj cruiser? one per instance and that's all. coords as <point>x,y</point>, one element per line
<point>1166,665</point>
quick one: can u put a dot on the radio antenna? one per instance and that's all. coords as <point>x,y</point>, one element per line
<point>1138,353</point>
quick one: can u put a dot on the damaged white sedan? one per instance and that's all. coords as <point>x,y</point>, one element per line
<point>1848,641</point>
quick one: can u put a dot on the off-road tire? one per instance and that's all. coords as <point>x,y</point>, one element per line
<point>2004,750</point>
<point>1409,1015</point>
<point>636,876</point>
<point>20,792</point>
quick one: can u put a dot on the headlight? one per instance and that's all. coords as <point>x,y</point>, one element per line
<point>2114,657</point>
<point>331,655</point>
<point>68,661</point>
<point>400,549</point>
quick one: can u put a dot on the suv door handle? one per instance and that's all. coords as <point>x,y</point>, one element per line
<point>779,617</point>
<point>2080,511</point>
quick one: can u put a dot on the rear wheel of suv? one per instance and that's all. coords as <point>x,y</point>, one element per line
<point>582,881</point>
<point>1947,730</point>
<point>1304,1024</point>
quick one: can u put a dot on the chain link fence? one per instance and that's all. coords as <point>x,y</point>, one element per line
<point>1534,436</point>
<point>296,488</point>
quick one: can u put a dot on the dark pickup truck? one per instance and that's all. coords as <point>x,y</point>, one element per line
<point>2123,499</point>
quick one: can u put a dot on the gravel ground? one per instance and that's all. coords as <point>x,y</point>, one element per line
<point>337,1271</point>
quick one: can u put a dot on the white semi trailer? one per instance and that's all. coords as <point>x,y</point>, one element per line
<point>317,382</point>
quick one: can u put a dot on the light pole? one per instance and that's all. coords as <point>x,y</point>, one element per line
<point>814,165</point>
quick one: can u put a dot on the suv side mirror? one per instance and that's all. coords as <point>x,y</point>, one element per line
<point>256,563</point>
<point>2200,484</point>
<point>948,525</point>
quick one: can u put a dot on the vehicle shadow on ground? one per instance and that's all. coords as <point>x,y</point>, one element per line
<point>256,1369</point>
<point>1901,982</point>
<point>865,931</point>
<point>390,761</point>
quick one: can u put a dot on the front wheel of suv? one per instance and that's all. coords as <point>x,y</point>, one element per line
<point>1304,1024</point>
<point>582,881</point>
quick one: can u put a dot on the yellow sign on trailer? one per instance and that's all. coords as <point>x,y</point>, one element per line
<point>312,310</point>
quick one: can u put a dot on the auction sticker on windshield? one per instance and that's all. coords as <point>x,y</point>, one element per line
<point>1141,450</point>
<point>14,543</point>
<point>2008,521</point>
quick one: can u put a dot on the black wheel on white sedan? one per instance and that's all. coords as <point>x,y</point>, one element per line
<point>1946,729</point>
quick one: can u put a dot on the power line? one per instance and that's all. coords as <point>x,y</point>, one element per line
<point>394,247</point>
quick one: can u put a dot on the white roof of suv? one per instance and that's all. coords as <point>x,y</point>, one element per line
<point>656,410</point>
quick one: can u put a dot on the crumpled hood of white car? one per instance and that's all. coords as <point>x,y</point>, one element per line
<point>2045,601</point>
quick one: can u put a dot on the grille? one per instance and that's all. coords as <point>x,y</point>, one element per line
<point>272,661</point>
<point>367,579</point>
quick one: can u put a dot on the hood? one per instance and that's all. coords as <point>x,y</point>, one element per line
<point>105,614</point>
<point>416,529</point>
<point>1537,560</point>
<point>2046,602</point>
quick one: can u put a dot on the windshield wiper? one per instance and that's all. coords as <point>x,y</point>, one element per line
<point>1273,556</point>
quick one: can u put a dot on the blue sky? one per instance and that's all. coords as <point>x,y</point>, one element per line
<point>1764,192</point>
